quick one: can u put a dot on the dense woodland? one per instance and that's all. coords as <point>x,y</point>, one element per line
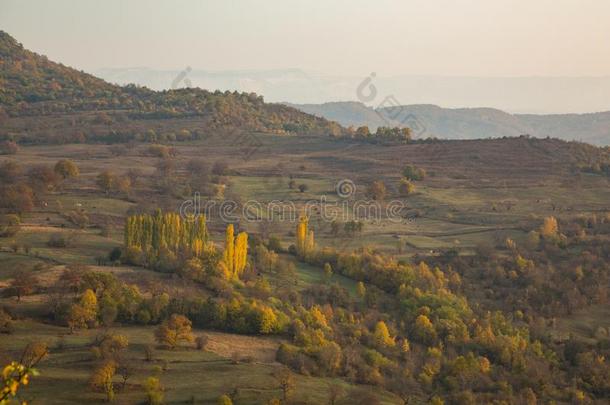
<point>451,326</point>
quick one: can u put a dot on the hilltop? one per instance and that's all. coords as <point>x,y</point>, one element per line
<point>35,86</point>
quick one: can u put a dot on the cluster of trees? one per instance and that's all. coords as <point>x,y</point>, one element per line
<point>20,190</point>
<point>349,228</point>
<point>593,160</point>
<point>413,331</point>
<point>408,328</point>
<point>164,237</point>
<point>235,255</point>
<point>413,173</point>
<point>381,135</point>
<point>540,277</point>
<point>170,243</point>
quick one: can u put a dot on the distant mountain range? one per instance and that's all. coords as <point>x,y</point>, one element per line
<point>467,123</point>
<point>306,90</point>
<point>523,95</point>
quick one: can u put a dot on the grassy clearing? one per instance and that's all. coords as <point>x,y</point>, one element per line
<point>85,246</point>
<point>190,375</point>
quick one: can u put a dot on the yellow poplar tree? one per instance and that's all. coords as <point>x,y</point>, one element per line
<point>241,253</point>
<point>305,238</point>
<point>169,231</point>
<point>310,243</point>
<point>229,255</point>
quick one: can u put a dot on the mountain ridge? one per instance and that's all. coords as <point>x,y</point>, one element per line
<point>33,85</point>
<point>468,122</point>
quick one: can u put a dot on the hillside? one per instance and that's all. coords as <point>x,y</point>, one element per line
<point>32,85</point>
<point>469,123</point>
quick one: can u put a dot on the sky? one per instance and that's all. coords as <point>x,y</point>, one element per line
<point>478,38</point>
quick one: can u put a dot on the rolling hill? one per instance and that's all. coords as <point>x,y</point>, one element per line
<point>32,85</point>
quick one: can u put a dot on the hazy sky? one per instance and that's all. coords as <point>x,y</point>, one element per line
<point>344,37</point>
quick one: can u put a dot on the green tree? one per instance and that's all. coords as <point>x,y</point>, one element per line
<point>411,172</point>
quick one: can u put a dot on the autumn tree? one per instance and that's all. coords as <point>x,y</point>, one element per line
<point>406,187</point>
<point>123,184</point>
<point>382,336</point>
<point>101,379</point>
<point>17,198</point>
<point>43,178</point>
<point>549,228</point>
<point>328,271</point>
<point>424,330</point>
<point>224,399</point>
<point>363,132</point>
<point>112,346</point>
<point>13,377</point>
<point>236,252</point>
<point>24,283</point>
<point>174,330</point>
<point>154,391</point>
<point>360,289</point>
<point>71,278</point>
<point>84,313</point>
<point>166,232</point>
<point>286,383</point>
<point>377,190</point>
<point>66,168</point>
<point>34,353</point>
<point>305,238</point>
<point>106,181</point>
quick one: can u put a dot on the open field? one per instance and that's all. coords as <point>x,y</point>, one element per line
<point>231,362</point>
